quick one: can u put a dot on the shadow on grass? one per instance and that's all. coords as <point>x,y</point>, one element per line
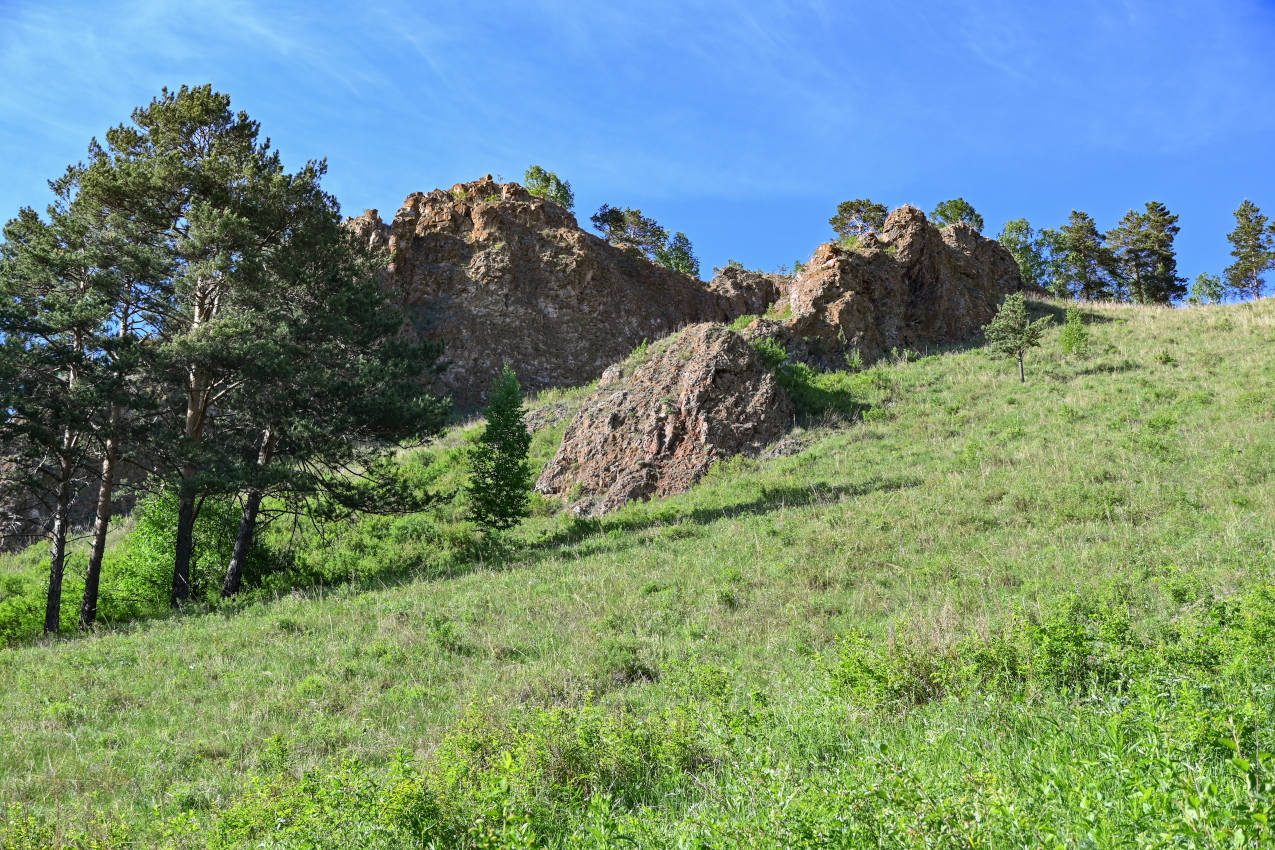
<point>770,499</point>
<point>601,535</point>
<point>1058,312</point>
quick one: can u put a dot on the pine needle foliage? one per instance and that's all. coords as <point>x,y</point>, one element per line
<point>1012,332</point>
<point>499,475</point>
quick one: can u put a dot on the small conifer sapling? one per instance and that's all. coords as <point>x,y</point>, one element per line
<point>1011,331</point>
<point>499,476</point>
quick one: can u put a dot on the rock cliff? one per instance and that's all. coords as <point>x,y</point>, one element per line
<point>504,276</point>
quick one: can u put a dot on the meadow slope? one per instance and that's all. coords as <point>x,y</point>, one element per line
<point>984,614</point>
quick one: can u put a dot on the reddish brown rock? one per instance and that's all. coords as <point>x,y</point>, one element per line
<point>701,396</point>
<point>747,292</point>
<point>506,277</point>
<point>911,286</point>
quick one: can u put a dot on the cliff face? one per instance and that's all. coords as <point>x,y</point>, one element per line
<point>910,286</point>
<point>505,277</point>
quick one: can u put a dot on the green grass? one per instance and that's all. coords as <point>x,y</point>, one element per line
<point>983,615</point>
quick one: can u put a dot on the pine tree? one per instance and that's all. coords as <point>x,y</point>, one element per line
<point>500,477</point>
<point>1011,331</point>
<point>1088,266</point>
<point>629,228</point>
<point>1253,247</point>
<point>858,217</point>
<point>229,223</point>
<point>1143,248</point>
<point>336,388</point>
<point>51,388</point>
<point>1162,284</point>
<point>1128,244</point>
<point>957,210</point>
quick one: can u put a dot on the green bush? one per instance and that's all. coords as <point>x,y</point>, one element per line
<point>137,574</point>
<point>771,351</point>
<point>548,185</point>
<point>1075,336</point>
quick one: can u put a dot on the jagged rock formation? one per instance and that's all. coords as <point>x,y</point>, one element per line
<point>701,396</point>
<point>748,292</point>
<point>506,277</point>
<point>910,286</point>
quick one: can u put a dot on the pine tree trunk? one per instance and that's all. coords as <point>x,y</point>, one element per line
<point>185,539</point>
<point>57,556</point>
<point>101,523</point>
<point>196,408</point>
<point>1022,376</point>
<point>247,525</point>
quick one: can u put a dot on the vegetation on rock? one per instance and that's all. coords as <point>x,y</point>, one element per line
<point>547,185</point>
<point>957,210</point>
<point>858,217</point>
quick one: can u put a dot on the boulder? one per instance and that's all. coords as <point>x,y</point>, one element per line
<point>700,396</point>
<point>502,276</point>
<point>747,292</point>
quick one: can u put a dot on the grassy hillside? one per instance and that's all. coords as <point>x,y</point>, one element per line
<point>986,615</point>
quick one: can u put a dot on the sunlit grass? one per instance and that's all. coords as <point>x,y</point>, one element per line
<point>963,506</point>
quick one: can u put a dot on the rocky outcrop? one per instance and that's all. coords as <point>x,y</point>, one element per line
<point>502,276</point>
<point>700,396</point>
<point>911,286</point>
<point>748,292</point>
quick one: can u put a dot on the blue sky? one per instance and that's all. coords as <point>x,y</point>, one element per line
<point>742,124</point>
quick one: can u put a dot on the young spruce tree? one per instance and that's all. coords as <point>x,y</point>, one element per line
<point>500,478</point>
<point>1012,332</point>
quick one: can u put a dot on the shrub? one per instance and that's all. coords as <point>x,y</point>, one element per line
<point>771,351</point>
<point>1075,336</point>
<point>812,392</point>
<point>546,184</point>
